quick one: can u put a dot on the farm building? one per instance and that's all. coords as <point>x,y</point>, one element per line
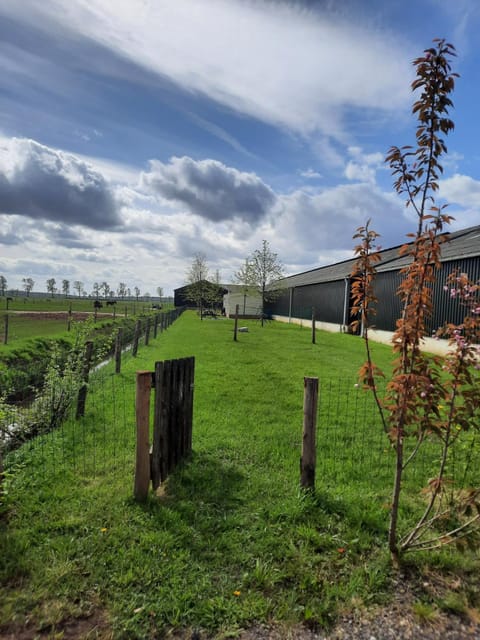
<point>182,296</point>
<point>328,289</point>
<point>249,302</point>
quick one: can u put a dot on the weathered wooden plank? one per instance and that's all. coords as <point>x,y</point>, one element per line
<point>142,415</point>
<point>157,426</point>
<point>308,460</point>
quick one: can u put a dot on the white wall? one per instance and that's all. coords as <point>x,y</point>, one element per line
<point>431,345</point>
<point>251,303</point>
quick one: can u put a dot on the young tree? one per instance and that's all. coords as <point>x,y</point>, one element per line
<point>51,286</point>
<point>427,397</point>
<point>96,289</point>
<point>28,285</point>
<point>244,277</point>
<point>265,270</point>
<point>78,286</point>
<point>197,281</point>
<point>3,285</point>
<point>137,292</point>
<point>65,287</point>
<point>122,290</point>
<point>160,293</point>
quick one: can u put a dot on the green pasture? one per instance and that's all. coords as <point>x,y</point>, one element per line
<point>62,303</point>
<point>230,540</point>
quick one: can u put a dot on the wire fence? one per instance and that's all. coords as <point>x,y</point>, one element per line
<point>352,447</point>
<point>102,441</point>
<point>99,441</point>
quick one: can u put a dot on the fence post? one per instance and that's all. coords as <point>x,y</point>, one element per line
<point>142,416</point>
<point>136,337</point>
<point>308,460</point>
<point>147,332</point>
<point>69,321</point>
<point>118,350</point>
<point>82,394</point>
<point>236,324</point>
<point>313,325</point>
<point>5,338</point>
<point>155,326</point>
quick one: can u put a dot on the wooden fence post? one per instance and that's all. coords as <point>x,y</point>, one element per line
<point>5,337</point>
<point>136,337</point>
<point>308,460</point>
<point>118,350</point>
<point>155,326</point>
<point>82,393</point>
<point>142,415</point>
<point>69,321</point>
<point>147,332</point>
<point>236,324</point>
<point>313,325</point>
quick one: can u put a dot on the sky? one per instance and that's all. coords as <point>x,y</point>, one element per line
<point>136,134</point>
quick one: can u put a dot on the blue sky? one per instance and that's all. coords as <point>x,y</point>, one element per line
<point>136,133</point>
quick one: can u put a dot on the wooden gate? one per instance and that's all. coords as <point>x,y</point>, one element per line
<point>173,381</point>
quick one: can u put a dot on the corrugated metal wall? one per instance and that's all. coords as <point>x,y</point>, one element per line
<point>328,298</point>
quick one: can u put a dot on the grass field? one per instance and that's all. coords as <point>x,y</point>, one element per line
<point>230,540</point>
<point>49,317</point>
<point>61,303</point>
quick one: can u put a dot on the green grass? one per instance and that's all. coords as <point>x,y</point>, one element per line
<point>231,540</point>
<point>60,303</point>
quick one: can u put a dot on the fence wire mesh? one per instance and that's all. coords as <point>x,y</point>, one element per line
<point>352,444</point>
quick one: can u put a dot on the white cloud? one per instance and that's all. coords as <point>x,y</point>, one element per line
<point>281,63</point>
<point>311,174</point>
<point>363,166</point>
<point>462,190</point>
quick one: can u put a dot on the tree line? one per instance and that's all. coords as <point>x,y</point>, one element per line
<point>100,289</point>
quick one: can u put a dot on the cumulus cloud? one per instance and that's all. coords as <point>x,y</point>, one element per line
<point>462,190</point>
<point>47,184</point>
<point>210,189</point>
<point>311,225</point>
<point>362,167</point>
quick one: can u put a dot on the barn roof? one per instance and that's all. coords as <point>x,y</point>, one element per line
<point>460,244</point>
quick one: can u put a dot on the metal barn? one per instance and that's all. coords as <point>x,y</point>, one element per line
<point>327,289</point>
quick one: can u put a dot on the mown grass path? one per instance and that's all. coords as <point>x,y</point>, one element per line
<point>231,540</point>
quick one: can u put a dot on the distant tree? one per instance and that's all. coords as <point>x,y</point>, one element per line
<point>78,286</point>
<point>137,292</point>
<point>129,292</point>
<point>265,270</point>
<point>65,287</point>
<point>147,295</point>
<point>3,285</point>
<point>105,287</point>
<point>96,289</point>
<point>51,286</point>
<point>122,290</point>
<point>28,285</point>
<point>160,292</point>
<point>197,282</point>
